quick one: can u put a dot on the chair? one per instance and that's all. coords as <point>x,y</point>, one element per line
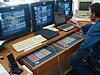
<point>93,68</point>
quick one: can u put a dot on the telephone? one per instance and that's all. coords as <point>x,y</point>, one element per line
<point>13,64</point>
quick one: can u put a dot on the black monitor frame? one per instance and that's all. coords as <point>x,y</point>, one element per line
<point>16,34</point>
<point>55,5</point>
<point>39,27</point>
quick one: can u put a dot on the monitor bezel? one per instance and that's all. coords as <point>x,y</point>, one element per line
<point>16,34</point>
<point>81,9</point>
<point>89,1</point>
<point>39,26</point>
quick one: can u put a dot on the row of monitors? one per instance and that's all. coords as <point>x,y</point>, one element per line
<point>16,20</point>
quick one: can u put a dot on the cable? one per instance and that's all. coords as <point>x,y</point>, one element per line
<point>57,57</point>
<point>37,71</point>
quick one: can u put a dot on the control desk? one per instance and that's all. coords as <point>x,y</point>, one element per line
<point>45,64</point>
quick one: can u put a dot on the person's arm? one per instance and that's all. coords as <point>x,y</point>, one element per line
<point>77,25</point>
<point>92,40</point>
<point>84,28</point>
<point>92,37</point>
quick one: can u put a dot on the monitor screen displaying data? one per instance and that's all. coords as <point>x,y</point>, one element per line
<point>42,14</point>
<point>67,6</point>
<point>13,21</point>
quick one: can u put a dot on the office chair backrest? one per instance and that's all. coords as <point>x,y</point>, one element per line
<point>93,63</point>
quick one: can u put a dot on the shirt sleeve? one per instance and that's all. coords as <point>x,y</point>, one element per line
<point>92,37</point>
<point>92,40</point>
<point>85,28</point>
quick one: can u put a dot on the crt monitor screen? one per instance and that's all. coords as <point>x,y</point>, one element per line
<point>14,21</point>
<point>42,14</point>
<point>84,6</point>
<point>67,6</point>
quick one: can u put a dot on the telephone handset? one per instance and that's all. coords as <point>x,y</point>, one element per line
<point>13,64</point>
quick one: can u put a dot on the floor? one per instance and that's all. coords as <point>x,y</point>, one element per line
<point>72,72</point>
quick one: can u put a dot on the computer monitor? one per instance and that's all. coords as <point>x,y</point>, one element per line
<point>67,6</point>
<point>84,5</point>
<point>96,1</point>
<point>14,21</point>
<point>42,14</point>
<point>55,5</point>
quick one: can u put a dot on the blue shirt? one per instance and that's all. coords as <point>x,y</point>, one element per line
<point>92,40</point>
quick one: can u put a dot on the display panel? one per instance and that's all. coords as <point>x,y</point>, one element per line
<point>42,14</point>
<point>84,6</point>
<point>67,6</point>
<point>59,17</point>
<point>14,21</point>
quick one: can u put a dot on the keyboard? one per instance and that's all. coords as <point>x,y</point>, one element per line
<point>66,27</point>
<point>33,41</point>
<point>81,17</point>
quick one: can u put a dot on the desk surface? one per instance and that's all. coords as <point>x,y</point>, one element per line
<point>17,55</point>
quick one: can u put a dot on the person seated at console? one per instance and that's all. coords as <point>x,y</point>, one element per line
<point>90,48</point>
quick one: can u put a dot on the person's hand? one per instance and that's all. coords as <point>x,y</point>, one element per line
<point>77,25</point>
